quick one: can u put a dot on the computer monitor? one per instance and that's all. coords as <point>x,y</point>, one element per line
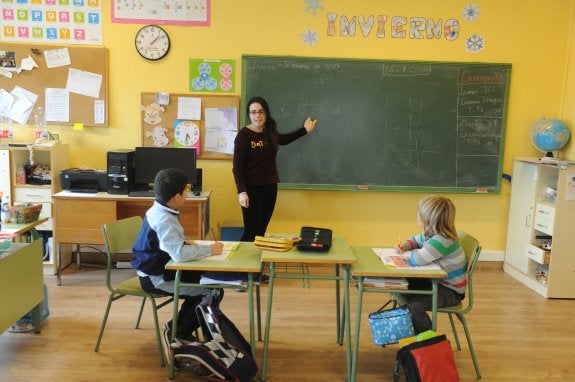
<point>149,160</point>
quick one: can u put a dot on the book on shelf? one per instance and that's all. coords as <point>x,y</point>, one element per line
<point>393,259</point>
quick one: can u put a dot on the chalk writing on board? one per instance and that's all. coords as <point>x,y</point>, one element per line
<point>386,125</point>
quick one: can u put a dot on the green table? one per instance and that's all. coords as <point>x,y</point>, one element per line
<point>19,229</point>
<point>21,283</point>
<point>245,258</point>
<point>340,253</point>
<point>368,264</point>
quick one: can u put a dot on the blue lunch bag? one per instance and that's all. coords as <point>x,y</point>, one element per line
<point>389,326</point>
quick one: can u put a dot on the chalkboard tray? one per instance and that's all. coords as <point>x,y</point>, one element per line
<point>386,125</point>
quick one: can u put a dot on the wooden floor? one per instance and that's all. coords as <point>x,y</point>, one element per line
<point>518,335</point>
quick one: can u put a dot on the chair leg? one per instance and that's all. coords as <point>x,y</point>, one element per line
<point>157,327</point>
<point>341,326</point>
<point>455,330</point>
<point>259,312</point>
<point>470,344</point>
<point>140,314</point>
<point>103,326</point>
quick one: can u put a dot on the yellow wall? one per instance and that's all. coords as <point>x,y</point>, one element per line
<point>532,35</point>
<point>568,112</point>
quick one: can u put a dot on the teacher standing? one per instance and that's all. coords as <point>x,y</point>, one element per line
<point>255,168</point>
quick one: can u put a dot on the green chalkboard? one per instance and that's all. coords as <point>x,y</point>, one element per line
<point>385,125</point>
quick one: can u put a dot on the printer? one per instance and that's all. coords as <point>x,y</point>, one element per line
<point>79,180</point>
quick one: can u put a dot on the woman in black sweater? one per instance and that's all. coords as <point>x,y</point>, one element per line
<point>254,167</point>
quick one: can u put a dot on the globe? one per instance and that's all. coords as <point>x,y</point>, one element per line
<point>549,135</point>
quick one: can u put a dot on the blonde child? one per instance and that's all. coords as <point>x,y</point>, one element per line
<point>438,244</point>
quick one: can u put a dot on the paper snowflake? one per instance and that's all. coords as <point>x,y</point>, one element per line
<point>310,37</point>
<point>471,12</point>
<point>313,6</point>
<point>475,44</point>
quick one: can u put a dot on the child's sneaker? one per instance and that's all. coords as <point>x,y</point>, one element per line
<point>21,327</point>
<point>167,343</point>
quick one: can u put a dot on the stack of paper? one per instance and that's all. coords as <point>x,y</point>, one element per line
<point>205,280</point>
<point>6,234</point>
<point>393,259</point>
<point>386,282</point>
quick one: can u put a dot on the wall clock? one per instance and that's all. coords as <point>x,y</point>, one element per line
<point>186,134</point>
<point>152,42</point>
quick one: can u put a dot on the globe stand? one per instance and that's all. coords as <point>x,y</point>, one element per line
<point>549,154</point>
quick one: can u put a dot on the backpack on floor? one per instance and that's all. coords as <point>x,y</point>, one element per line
<point>430,360</point>
<point>226,353</point>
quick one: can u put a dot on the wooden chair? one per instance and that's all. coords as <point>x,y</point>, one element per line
<point>472,250</point>
<point>120,235</point>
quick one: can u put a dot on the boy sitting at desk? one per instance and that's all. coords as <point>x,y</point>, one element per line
<point>161,239</point>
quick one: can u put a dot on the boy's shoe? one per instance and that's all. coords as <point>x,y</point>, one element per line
<point>180,339</point>
<point>192,367</point>
<point>21,328</point>
<point>167,344</point>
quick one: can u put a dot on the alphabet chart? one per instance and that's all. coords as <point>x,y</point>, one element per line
<point>53,21</point>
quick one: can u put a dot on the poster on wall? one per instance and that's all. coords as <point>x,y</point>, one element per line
<point>52,21</point>
<point>174,12</point>
<point>212,75</point>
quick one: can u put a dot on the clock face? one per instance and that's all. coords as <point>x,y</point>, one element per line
<point>186,133</point>
<point>152,42</point>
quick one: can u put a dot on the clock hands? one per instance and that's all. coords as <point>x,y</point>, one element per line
<point>156,39</point>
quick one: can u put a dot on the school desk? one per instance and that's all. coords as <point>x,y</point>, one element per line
<point>340,253</point>
<point>78,218</point>
<point>368,264</point>
<point>21,283</point>
<point>19,229</point>
<point>246,259</point>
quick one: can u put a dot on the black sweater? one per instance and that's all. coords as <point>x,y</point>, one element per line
<point>255,157</point>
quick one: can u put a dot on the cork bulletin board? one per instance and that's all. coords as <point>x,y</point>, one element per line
<point>161,131</point>
<point>89,59</point>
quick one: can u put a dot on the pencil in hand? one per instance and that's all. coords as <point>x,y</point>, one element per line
<point>399,247</point>
<point>216,247</point>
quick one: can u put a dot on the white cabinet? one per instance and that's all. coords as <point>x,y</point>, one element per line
<point>520,214</point>
<point>540,232</point>
<point>56,158</point>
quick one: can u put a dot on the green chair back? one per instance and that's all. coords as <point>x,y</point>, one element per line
<point>118,236</point>
<point>472,251</point>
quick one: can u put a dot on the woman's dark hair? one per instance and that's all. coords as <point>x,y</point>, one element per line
<point>169,182</point>
<point>270,128</point>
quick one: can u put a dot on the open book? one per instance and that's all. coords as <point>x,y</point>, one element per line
<point>395,260</point>
<point>229,248</point>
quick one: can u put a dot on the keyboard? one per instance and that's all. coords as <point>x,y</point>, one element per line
<point>142,193</point>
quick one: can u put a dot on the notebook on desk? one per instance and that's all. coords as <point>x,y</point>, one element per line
<point>392,259</point>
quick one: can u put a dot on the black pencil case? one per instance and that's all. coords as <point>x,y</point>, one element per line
<point>315,239</point>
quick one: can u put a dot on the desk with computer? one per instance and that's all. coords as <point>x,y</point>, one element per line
<point>92,199</point>
<point>132,172</point>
